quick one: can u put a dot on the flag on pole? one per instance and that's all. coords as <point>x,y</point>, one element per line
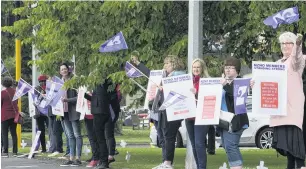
<point>3,68</point>
<point>131,71</point>
<point>114,44</point>
<point>39,102</point>
<point>241,88</point>
<point>57,80</point>
<point>172,98</point>
<point>286,16</point>
<point>22,88</point>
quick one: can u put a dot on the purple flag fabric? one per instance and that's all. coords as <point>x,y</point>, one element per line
<point>131,71</point>
<point>22,88</point>
<point>241,88</point>
<point>57,80</point>
<point>3,68</point>
<point>286,16</point>
<point>40,103</point>
<point>52,89</point>
<point>114,44</point>
<point>172,99</point>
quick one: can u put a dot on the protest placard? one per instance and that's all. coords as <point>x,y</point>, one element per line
<point>270,88</point>
<point>155,78</point>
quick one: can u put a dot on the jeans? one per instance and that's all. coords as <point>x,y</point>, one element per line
<point>73,129</point>
<point>66,135</point>
<point>110,136</point>
<point>5,127</point>
<point>92,139</point>
<point>197,135</point>
<point>99,127</point>
<point>169,138</point>
<point>230,142</point>
<point>41,121</point>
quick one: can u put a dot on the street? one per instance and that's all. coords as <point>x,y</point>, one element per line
<point>13,162</point>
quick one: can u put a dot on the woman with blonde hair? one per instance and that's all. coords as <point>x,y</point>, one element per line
<point>197,133</point>
<point>173,67</point>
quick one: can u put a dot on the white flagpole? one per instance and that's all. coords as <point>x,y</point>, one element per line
<point>138,85</point>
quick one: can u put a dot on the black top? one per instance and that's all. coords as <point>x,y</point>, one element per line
<point>239,120</point>
<point>101,99</point>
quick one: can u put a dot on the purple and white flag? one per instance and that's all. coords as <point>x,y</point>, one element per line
<point>3,68</point>
<point>52,89</point>
<point>22,88</point>
<point>114,44</point>
<point>241,88</point>
<point>132,71</point>
<point>172,99</point>
<point>40,103</point>
<point>57,80</point>
<point>286,16</point>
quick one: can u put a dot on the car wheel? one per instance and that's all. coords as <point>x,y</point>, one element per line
<point>179,141</point>
<point>264,138</point>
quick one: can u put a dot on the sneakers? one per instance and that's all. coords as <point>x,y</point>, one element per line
<point>4,155</point>
<point>163,166</point>
<point>53,154</point>
<point>111,160</point>
<point>102,166</point>
<point>67,164</point>
<point>92,163</point>
<point>76,163</point>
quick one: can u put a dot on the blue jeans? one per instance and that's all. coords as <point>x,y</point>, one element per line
<point>230,142</point>
<point>73,129</point>
<point>67,138</point>
<point>197,135</point>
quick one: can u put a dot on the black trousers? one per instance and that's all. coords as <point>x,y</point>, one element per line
<point>89,123</point>
<point>169,135</point>
<point>110,136</point>
<point>55,135</point>
<point>211,139</point>
<point>41,121</point>
<point>5,127</point>
<point>99,127</point>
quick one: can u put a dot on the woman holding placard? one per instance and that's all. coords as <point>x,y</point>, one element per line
<point>287,135</point>
<point>172,67</point>
<point>230,135</point>
<point>197,133</point>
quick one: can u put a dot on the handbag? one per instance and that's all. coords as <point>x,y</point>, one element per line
<point>18,118</point>
<point>225,120</point>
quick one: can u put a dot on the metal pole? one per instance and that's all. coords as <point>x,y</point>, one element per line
<point>195,50</point>
<point>34,83</point>
<point>18,76</point>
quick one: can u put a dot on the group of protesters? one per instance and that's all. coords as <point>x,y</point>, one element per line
<point>287,136</point>
<point>99,124</point>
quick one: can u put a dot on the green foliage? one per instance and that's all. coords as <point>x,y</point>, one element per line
<point>155,29</point>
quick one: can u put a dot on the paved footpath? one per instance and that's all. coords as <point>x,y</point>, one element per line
<point>13,163</point>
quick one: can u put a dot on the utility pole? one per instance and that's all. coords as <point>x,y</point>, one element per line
<point>195,50</point>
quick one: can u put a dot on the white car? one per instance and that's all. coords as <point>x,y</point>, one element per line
<point>258,134</point>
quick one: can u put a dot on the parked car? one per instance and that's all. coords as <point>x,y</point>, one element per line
<point>258,134</point>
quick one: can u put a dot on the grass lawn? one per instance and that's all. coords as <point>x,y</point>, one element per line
<point>146,158</point>
<point>129,135</point>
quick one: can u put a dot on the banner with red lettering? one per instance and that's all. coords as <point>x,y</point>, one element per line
<point>270,88</point>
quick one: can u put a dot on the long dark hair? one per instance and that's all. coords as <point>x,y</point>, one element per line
<point>67,66</point>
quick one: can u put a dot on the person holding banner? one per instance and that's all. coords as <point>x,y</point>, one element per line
<point>230,135</point>
<point>135,61</point>
<point>9,109</point>
<point>197,133</point>
<point>41,113</point>
<point>71,121</point>
<point>169,129</point>
<point>288,135</point>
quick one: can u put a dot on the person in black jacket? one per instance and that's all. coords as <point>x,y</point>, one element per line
<point>101,99</point>
<point>230,138</point>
